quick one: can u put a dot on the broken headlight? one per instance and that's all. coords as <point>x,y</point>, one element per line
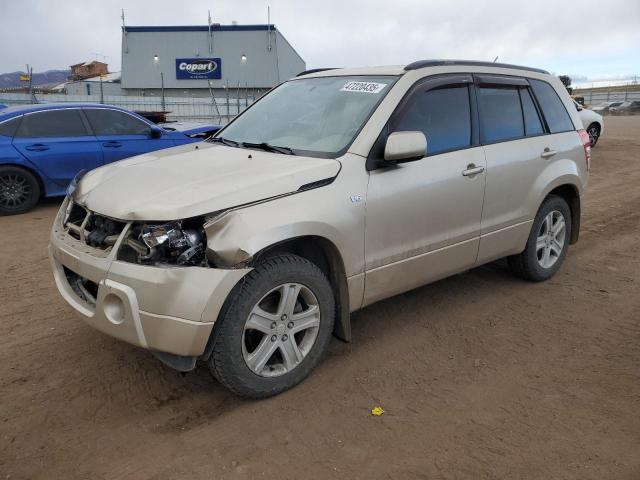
<point>177,243</point>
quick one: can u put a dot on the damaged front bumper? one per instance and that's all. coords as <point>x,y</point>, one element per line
<point>168,310</point>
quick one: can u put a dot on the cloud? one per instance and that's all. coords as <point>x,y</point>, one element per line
<point>560,36</point>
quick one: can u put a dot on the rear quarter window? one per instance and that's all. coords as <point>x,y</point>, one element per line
<point>553,109</point>
<point>9,127</point>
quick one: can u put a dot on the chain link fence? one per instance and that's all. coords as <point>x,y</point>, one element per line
<point>198,109</point>
<point>599,96</point>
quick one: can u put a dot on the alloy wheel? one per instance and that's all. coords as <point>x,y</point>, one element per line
<point>551,239</point>
<point>281,330</point>
<point>15,190</point>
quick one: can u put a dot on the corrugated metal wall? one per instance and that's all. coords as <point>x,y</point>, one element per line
<point>262,67</point>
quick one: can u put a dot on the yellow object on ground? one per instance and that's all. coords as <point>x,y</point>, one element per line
<point>377,411</point>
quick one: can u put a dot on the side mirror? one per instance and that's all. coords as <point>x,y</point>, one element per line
<point>405,147</point>
<point>155,132</point>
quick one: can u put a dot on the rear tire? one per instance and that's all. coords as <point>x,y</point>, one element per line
<point>547,244</point>
<point>274,328</point>
<point>19,190</point>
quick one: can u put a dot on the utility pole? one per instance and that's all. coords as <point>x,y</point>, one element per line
<point>101,91</point>
<point>226,87</point>
<point>162,89</point>
<point>30,74</point>
<point>210,32</point>
<point>124,34</point>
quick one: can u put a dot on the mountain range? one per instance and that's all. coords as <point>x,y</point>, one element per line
<point>49,78</point>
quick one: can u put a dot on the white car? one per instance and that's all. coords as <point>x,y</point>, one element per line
<point>592,122</point>
<point>605,108</point>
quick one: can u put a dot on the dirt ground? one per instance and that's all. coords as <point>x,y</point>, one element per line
<point>481,375</point>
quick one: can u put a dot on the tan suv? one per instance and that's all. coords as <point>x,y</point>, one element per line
<point>337,189</point>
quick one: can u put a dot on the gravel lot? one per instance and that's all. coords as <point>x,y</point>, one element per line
<point>481,375</point>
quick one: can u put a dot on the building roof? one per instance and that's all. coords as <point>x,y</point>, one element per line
<point>216,27</point>
<point>86,64</point>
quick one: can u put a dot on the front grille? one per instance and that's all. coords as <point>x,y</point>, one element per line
<point>91,228</point>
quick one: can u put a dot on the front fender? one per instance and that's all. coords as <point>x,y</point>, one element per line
<point>239,235</point>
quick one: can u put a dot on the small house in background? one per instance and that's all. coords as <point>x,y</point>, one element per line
<point>80,71</point>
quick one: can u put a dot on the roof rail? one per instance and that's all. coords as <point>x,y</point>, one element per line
<point>315,70</point>
<point>474,63</point>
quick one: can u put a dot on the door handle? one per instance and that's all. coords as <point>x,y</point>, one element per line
<point>472,170</point>
<point>548,153</point>
<point>37,147</point>
<point>112,144</point>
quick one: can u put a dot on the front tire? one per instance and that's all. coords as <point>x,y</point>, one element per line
<point>274,328</point>
<point>548,242</point>
<point>19,190</point>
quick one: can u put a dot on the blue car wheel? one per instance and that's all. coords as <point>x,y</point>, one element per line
<point>19,190</point>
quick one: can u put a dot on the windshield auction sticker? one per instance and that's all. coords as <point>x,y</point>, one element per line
<point>363,87</point>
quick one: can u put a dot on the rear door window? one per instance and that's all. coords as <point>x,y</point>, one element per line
<point>500,114</point>
<point>532,122</point>
<point>553,109</point>
<point>113,122</point>
<point>443,115</point>
<point>52,123</point>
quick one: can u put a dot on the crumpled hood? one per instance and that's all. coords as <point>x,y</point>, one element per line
<point>195,179</point>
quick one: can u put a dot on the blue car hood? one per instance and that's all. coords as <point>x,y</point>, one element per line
<point>190,128</point>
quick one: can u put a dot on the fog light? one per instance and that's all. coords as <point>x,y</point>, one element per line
<point>113,308</point>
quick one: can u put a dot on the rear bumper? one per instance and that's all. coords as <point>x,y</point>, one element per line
<point>169,310</point>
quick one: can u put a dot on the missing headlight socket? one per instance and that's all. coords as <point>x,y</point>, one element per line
<point>172,243</point>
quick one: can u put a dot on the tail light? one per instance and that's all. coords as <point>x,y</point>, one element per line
<point>586,144</point>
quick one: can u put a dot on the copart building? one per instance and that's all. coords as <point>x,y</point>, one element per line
<point>205,60</point>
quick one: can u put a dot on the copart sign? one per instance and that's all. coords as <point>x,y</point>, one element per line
<point>198,68</point>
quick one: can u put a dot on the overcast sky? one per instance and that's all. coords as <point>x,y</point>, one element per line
<point>595,39</point>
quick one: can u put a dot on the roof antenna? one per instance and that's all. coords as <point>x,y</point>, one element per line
<point>124,33</point>
<point>495,59</point>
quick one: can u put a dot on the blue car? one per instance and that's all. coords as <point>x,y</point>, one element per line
<point>43,146</point>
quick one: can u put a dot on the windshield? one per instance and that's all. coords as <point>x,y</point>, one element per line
<point>315,116</point>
